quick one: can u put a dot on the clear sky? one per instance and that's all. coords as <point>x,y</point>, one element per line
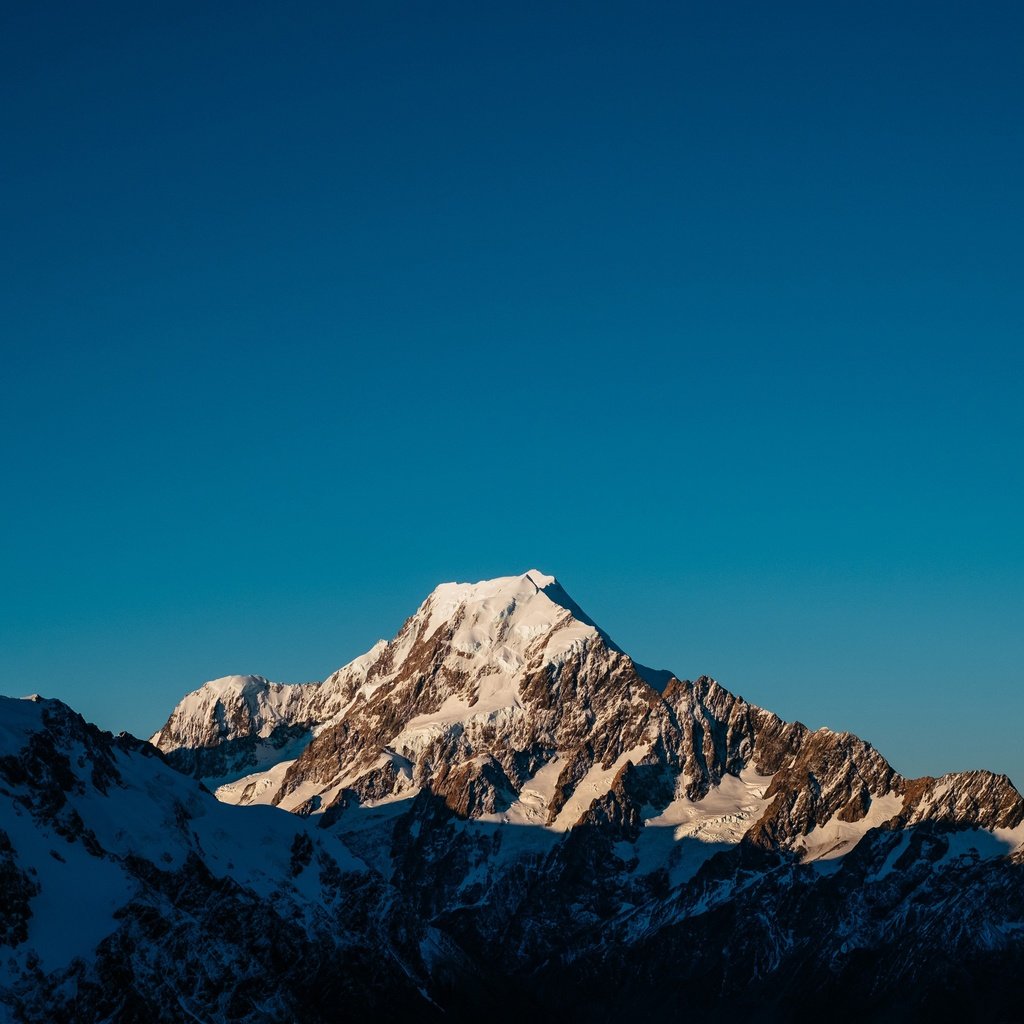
<point>715,311</point>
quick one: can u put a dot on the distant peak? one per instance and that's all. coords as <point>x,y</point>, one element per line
<point>236,682</point>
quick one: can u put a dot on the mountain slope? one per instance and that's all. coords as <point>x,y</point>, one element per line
<point>508,702</point>
<point>498,800</point>
<point>131,893</point>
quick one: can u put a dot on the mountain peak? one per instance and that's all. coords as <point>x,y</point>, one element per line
<point>508,612</point>
<point>522,586</point>
<point>498,703</point>
<point>540,580</point>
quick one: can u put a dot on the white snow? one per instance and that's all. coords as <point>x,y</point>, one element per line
<point>500,626</point>
<point>358,669</point>
<point>687,832</point>
<point>593,785</point>
<point>257,788</point>
<point>498,704</point>
<point>267,704</point>
<point>306,791</point>
<point>976,843</point>
<point>725,814</point>
<point>80,892</point>
<point>531,808</point>
<point>963,845</point>
<point>837,838</point>
<point>515,608</point>
<point>78,896</point>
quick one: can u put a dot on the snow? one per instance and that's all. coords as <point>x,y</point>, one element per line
<point>243,686</point>
<point>268,705</point>
<point>498,620</point>
<point>889,864</point>
<point>531,808</point>
<point>256,788</point>
<point>514,607</point>
<point>261,762</point>
<point>498,704</point>
<point>20,718</point>
<point>1013,838</point>
<point>367,831</point>
<point>726,813</point>
<point>306,791</point>
<point>976,843</point>
<point>78,896</point>
<point>687,832</point>
<point>499,626</point>
<point>250,844</point>
<point>358,668</point>
<point>837,838</point>
<point>592,786</point>
<point>964,845</point>
<point>80,892</point>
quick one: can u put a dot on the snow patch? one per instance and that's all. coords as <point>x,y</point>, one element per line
<point>837,838</point>
<point>257,788</point>
<point>592,786</point>
<point>531,808</point>
<point>687,832</point>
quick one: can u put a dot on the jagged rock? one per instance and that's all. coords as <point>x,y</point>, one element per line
<point>157,903</point>
<point>500,799</point>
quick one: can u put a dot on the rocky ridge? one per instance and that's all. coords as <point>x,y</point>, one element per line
<point>504,699</point>
<point>132,894</point>
<point>498,799</point>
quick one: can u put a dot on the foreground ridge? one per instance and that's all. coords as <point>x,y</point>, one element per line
<point>501,793</point>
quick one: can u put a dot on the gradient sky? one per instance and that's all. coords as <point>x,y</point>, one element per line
<point>714,311</point>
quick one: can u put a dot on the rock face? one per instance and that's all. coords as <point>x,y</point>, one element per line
<point>131,894</point>
<point>499,794</point>
<point>241,723</point>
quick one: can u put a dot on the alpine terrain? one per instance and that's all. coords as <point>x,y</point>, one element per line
<point>496,815</point>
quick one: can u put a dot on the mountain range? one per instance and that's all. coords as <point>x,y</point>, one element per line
<point>495,815</point>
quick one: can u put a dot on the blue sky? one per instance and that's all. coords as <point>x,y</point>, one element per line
<point>712,311</point>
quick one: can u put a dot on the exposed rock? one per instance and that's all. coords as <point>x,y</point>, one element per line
<point>499,800</point>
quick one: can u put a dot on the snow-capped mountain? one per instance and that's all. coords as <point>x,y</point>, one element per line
<point>506,700</point>
<point>500,799</point>
<point>130,893</point>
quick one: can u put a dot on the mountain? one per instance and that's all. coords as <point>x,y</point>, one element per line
<point>497,800</point>
<point>132,894</point>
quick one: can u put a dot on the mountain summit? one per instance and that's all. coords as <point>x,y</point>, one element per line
<point>498,799</point>
<point>508,702</point>
<point>489,682</point>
